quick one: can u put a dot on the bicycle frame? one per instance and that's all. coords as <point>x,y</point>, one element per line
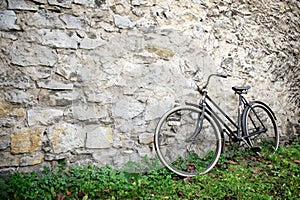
<point>207,108</point>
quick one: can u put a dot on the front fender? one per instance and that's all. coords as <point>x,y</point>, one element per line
<point>193,104</point>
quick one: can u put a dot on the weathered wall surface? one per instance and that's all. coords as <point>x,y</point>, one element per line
<point>87,80</point>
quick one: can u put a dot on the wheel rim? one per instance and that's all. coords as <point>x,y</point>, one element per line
<point>267,140</point>
<point>184,157</point>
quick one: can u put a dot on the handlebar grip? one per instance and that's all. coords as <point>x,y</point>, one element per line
<point>223,75</point>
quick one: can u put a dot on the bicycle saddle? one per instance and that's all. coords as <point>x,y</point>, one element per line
<point>241,89</point>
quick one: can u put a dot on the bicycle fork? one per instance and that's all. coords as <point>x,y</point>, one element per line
<point>199,125</point>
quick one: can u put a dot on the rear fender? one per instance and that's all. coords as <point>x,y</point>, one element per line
<point>269,109</point>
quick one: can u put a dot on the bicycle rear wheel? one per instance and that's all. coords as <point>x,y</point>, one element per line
<point>175,148</point>
<point>259,128</point>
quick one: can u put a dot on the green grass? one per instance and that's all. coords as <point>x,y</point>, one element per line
<point>238,176</point>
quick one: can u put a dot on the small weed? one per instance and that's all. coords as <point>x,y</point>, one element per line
<point>3,188</point>
<point>238,175</point>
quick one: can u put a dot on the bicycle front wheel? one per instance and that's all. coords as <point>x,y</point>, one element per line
<point>182,147</point>
<point>259,128</point>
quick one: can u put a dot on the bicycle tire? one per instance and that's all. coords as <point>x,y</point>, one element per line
<point>187,158</point>
<point>255,117</point>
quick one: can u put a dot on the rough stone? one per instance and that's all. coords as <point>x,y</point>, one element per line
<point>8,110</point>
<point>157,108</point>
<point>17,96</point>
<point>6,172</point>
<point>45,19</point>
<point>26,140</point>
<point>81,160</point>
<point>61,99</point>
<point>67,66</point>
<point>93,95</point>
<point>5,109</point>
<point>52,98</point>
<point>37,72</point>
<point>55,85</point>
<point>66,137</point>
<point>146,138</point>
<point>99,137</point>
<point>8,160</point>
<point>88,111</point>
<point>161,52</point>
<point>18,112</point>
<point>64,4</point>
<point>7,122</point>
<point>40,1</point>
<point>43,116</point>
<point>125,126</point>
<point>54,157</point>
<point>127,108</point>
<point>104,157</point>
<point>25,54</point>
<point>32,159</point>
<point>123,22</point>
<point>58,38</point>
<point>88,43</point>
<point>8,20</point>
<point>88,3</point>
<point>20,5</point>
<point>71,22</point>
<point>16,79</point>
<point>144,151</point>
<point>4,141</point>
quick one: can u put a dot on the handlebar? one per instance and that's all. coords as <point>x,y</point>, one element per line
<point>222,75</point>
<point>201,90</point>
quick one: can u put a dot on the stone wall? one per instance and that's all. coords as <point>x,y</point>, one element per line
<point>86,81</point>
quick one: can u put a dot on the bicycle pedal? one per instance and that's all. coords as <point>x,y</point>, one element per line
<point>256,149</point>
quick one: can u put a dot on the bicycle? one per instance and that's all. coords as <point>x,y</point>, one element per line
<point>190,138</point>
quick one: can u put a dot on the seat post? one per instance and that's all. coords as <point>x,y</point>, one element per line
<point>239,115</point>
